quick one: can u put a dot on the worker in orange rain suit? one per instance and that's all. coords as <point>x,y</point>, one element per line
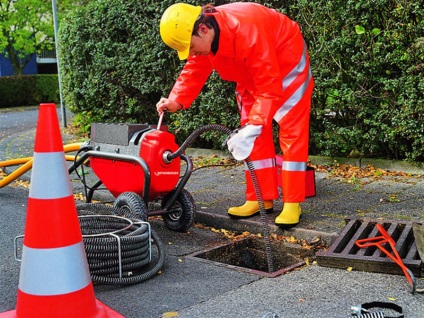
<point>264,52</point>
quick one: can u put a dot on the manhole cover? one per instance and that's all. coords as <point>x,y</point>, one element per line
<point>344,253</point>
<point>250,255</point>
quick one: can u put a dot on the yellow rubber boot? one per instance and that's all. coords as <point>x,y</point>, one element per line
<point>289,216</point>
<point>250,208</point>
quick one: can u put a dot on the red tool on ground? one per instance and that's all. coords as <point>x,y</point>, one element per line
<point>379,241</point>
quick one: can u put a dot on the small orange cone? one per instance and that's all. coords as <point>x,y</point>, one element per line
<point>54,278</point>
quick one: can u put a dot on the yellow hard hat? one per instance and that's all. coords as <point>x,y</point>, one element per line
<point>176,27</point>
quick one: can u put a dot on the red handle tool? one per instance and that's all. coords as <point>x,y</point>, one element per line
<point>385,238</point>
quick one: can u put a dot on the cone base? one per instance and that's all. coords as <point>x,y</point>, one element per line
<point>103,312</point>
<point>7,314</point>
<point>108,312</point>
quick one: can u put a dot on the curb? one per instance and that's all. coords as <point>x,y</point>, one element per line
<point>220,221</point>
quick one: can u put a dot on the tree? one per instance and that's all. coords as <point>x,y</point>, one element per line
<point>26,27</point>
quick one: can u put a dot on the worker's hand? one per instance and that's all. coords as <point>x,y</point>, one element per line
<point>166,105</point>
<point>240,142</point>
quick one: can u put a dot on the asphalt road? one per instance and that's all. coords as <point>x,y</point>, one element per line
<point>15,122</point>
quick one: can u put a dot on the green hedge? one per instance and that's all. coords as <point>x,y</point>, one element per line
<point>367,58</point>
<point>114,65</point>
<point>368,61</point>
<point>27,90</point>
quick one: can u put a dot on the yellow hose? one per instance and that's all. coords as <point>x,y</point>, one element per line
<point>72,147</point>
<point>27,164</point>
<point>14,162</point>
<point>16,174</point>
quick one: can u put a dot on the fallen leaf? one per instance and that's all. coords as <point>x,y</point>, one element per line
<point>293,240</point>
<point>169,314</point>
<point>315,240</point>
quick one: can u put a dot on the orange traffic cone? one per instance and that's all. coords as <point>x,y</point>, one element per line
<point>54,279</point>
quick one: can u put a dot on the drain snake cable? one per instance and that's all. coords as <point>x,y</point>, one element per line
<point>106,259</point>
<point>262,211</point>
<point>118,259</point>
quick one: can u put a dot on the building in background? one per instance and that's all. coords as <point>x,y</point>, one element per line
<point>43,63</point>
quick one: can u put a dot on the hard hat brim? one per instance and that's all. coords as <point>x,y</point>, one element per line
<point>183,55</point>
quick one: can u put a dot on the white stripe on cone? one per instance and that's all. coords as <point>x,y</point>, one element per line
<point>54,271</point>
<point>50,180</point>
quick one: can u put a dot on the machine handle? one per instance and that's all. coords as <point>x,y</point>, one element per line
<point>160,121</point>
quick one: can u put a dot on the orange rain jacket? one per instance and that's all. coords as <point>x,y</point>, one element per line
<point>252,40</point>
<point>262,51</point>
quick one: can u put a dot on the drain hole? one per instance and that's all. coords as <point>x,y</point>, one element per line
<point>347,237</point>
<point>363,231</point>
<point>250,254</point>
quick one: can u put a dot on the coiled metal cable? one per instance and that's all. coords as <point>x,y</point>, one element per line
<point>362,311</point>
<point>378,314</point>
<point>118,245</point>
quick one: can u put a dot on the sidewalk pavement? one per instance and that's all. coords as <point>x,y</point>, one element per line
<point>210,290</point>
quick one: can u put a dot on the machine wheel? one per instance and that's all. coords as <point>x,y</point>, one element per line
<point>183,211</point>
<point>132,204</point>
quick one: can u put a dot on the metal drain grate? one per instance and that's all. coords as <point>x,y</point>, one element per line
<point>344,253</point>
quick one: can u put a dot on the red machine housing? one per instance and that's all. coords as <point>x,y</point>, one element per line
<point>120,176</point>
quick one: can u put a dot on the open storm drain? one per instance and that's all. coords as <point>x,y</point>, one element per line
<point>250,255</point>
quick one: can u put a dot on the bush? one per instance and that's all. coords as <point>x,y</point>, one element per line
<point>47,88</point>
<point>366,56</point>
<point>367,59</point>
<point>27,90</point>
<point>115,67</point>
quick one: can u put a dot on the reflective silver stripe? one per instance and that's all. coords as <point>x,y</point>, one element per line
<point>296,70</point>
<point>261,164</point>
<point>239,101</point>
<point>238,96</point>
<point>54,271</point>
<point>293,166</point>
<point>49,176</point>
<point>293,100</point>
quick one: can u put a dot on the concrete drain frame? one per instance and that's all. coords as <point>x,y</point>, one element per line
<point>248,255</point>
